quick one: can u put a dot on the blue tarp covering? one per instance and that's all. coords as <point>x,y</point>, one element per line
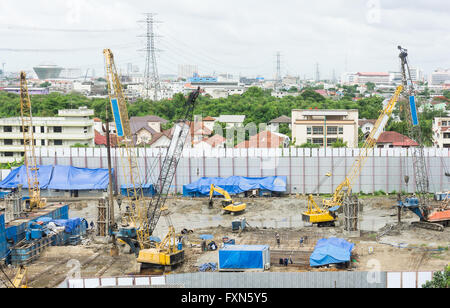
<point>61,178</point>
<point>69,224</point>
<point>242,257</point>
<point>72,178</point>
<point>19,176</point>
<point>149,190</point>
<point>331,251</point>
<point>236,185</point>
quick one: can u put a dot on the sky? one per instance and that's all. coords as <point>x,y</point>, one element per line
<point>240,37</point>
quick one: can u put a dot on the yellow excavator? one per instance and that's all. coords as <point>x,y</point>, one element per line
<point>327,215</point>
<point>229,207</point>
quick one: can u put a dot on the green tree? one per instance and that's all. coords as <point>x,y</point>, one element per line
<point>45,84</point>
<point>339,144</point>
<point>370,86</point>
<point>441,280</point>
<point>309,145</point>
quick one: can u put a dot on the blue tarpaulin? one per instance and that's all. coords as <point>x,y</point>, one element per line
<point>72,178</point>
<point>331,251</point>
<point>243,257</point>
<point>236,185</point>
<point>148,190</point>
<point>69,224</point>
<point>19,176</point>
<point>60,177</point>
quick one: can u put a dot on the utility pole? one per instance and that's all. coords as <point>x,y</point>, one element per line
<point>151,76</point>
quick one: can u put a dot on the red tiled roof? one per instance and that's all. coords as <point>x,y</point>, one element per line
<point>101,140</point>
<point>215,140</point>
<point>264,139</point>
<point>97,120</point>
<point>209,119</point>
<point>397,139</point>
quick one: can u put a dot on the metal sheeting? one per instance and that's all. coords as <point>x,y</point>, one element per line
<point>277,280</point>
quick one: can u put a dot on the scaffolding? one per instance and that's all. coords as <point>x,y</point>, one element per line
<point>351,211</point>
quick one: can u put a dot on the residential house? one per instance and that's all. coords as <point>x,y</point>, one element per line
<point>274,125</point>
<point>144,128</point>
<point>395,140</point>
<point>266,140</point>
<point>367,126</point>
<point>441,132</point>
<point>325,127</point>
<point>209,123</point>
<point>216,142</point>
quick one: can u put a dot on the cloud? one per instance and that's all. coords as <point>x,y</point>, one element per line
<point>240,37</point>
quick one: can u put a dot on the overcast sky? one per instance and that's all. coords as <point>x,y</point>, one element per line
<point>235,36</point>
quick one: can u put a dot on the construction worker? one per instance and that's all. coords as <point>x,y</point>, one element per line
<point>277,237</point>
<point>302,240</point>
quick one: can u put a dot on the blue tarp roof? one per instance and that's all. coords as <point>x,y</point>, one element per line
<point>60,177</point>
<point>72,178</point>
<point>69,224</point>
<point>18,176</point>
<point>236,185</point>
<point>148,189</point>
<point>331,251</point>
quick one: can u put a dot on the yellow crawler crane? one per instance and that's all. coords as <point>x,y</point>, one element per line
<point>131,231</point>
<point>35,200</point>
<point>327,215</point>
<point>229,207</point>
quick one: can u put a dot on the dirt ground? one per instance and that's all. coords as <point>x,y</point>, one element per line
<point>404,248</point>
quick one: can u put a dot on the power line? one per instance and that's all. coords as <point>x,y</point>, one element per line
<point>27,28</point>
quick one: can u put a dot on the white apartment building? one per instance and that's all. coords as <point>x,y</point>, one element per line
<point>441,132</point>
<point>440,77</point>
<point>72,126</point>
<point>325,127</point>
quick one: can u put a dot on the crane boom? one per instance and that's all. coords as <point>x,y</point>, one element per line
<point>29,145</point>
<point>326,215</point>
<point>422,181</point>
<point>170,164</point>
<point>130,170</point>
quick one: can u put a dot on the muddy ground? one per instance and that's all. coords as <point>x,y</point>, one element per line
<point>403,248</point>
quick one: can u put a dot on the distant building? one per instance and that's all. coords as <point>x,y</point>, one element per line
<point>45,72</point>
<point>376,78</point>
<point>395,140</point>
<point>187,71</point>
<point>440,77</point>
<point>69,128</point>
<point>31,91</point>
<point>325,127</point>
<point>441,132</point>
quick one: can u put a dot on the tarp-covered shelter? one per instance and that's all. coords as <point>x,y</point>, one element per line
<point>331,251</point>
<point>236,184</point>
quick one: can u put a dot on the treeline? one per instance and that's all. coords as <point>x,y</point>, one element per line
<point>256,104</point>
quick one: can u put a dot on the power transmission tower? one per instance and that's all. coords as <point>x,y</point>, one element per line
<point>151,76</point>
<point>278,80</point>
<point>317,72</point>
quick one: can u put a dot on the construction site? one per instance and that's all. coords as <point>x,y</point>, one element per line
<point>140,231</point>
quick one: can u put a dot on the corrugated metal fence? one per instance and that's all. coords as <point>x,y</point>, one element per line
<point>263,280</point>
<point>305,169</point>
